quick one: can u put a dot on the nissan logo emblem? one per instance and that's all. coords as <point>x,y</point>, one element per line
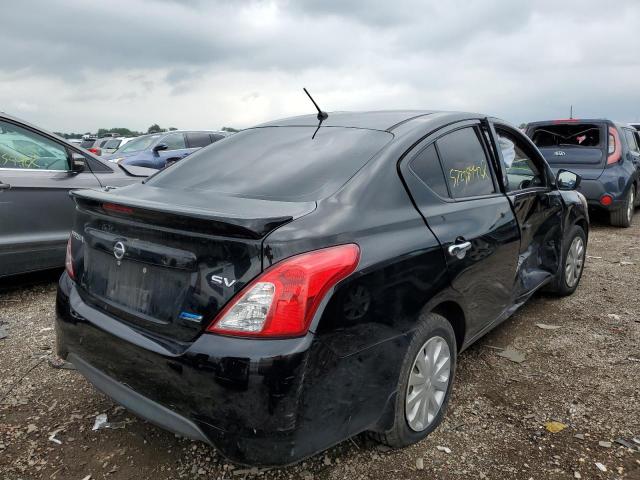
<point>118,250</point>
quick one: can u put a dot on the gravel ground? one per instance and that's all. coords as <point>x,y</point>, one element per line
<point>584,374</point>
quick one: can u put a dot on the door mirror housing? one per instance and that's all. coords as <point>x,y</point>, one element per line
<point>566,180</point>
<point>160,146</point>
<point>78,163</point>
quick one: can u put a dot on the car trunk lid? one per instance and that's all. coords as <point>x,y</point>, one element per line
<point>166,261</point>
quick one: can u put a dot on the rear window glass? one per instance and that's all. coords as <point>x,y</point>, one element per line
<point>280,163</point>
<point>426,166</point>
<point>465,164</point>
<point>567,135</point>
<point>112,144</point>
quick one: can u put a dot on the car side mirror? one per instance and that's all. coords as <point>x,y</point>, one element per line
<point>78,163</point>
<point>160,146</point>
<point>566,180</point>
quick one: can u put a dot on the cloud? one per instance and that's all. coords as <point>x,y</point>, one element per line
<point>79,65</point>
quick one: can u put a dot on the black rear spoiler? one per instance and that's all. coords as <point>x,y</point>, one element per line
<point>212,214</point>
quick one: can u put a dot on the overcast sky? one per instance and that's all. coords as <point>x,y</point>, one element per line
<point>74,65</point>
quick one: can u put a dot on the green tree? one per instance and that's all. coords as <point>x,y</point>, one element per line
<point>230,129</point>
<point>172,129</point>
<point>155,128</point>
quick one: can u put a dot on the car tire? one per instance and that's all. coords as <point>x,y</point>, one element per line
<point>566,283</point>
<point>624,215</point>
<point>432,335</point>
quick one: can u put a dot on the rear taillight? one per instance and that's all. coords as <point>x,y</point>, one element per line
<point>97,151</point>
<point>68,261</point>
<point>282,301</point>
<point>614,151</point>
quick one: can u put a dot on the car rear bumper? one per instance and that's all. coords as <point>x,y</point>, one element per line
<point>260,402</point>
<point>593,190</point>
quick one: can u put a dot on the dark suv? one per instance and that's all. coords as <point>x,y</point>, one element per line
<point>297,284</point>
<point>605,154</point>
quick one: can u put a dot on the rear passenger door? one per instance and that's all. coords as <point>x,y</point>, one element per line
<point>453,185</point>
<point>538,208</point>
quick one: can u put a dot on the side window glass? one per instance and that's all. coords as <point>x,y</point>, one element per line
<point>465,164</point>
<point>519,168</point>
<point>426,166</point>
<point>631,140</point>
<point>198,139</point>
<point>23,149</point>
<point>175,141</point>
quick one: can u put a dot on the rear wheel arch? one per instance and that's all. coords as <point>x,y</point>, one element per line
<point>454,314</point>
<point>582,223</point>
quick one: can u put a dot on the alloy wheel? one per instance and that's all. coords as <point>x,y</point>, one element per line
<point>429,379</point>
<point>575,262</point>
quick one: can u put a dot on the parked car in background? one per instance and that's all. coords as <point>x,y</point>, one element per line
<point>297,284</point>
<point>159,150</point>
<point>94,145</point>
<point>605,154</point>
<point>88,142</point>
<point>37,171</point>
<point>113,144</point>
<point>75,141</point>
<point>635,125</point>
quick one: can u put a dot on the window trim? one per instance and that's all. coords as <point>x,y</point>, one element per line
<point>404,167</point>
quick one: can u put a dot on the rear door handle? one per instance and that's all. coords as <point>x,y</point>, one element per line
<point>459,250</point>
<point>4,186</point>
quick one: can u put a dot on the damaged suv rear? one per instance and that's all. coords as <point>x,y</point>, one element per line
<point>605,154</point>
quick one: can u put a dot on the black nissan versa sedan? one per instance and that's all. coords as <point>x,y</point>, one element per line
<point>605,154</point>
<point>296,284</point>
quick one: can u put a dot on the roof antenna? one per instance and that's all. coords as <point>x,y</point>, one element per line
<point>571,113</point>
<point>322,116</point>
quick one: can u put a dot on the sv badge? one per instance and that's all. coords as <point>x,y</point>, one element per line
<point>228,282</point>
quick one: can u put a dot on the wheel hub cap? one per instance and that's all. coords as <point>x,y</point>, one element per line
<point>428,383</point>
<point>575,262</point>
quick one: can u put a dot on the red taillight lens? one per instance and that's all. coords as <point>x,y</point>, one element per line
<point>606,200</point>
<point>114,207</point>
<point>282,301</point>
<point>614,151</point>
<point>68,261</point>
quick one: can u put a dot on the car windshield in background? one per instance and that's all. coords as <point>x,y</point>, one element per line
<point>567,135</point>
<point>279,163</point>
<point>141,143</point>
<point>112,144</point>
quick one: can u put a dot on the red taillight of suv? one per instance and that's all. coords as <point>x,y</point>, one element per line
<point>614,150</point>
<point>282,301</point>
<point>97,151</point>
<point>68,261</point>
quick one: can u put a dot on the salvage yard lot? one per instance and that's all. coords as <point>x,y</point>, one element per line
<point>585,375</point>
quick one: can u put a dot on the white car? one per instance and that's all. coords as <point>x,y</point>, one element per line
<point>113,144</point>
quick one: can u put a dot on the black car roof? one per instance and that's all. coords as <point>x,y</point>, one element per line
<point>374,120</point>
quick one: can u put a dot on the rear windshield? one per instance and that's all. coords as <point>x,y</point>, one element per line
<point>112,144</point>
<point>279,163</point>
<point>567,135</point>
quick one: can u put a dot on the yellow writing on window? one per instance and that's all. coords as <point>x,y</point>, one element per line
<point>468,174</point>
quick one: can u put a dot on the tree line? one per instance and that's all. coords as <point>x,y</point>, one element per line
<point>125,132</point>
